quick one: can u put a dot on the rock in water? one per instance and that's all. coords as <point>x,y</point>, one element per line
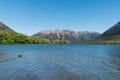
<point>20,55</point>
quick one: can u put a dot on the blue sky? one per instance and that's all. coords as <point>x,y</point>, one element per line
<point>32,16</point>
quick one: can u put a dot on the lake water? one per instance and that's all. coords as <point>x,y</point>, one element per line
<point>60,62</point>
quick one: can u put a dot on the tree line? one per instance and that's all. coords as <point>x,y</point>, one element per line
<point>10,37</point>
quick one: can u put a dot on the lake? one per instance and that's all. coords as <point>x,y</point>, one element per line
<point>60,62</point>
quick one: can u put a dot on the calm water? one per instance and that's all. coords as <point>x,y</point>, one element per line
<point>60,62</point>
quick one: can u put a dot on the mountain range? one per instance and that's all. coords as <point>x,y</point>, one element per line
<point>70,35</point>
<point>112,35</point>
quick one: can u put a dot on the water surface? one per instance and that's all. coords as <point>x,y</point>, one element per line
<point>60,62</point>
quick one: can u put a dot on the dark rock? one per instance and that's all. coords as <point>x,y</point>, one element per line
<point>20,55</point>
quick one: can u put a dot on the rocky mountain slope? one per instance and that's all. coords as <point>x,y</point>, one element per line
<point>4,27</point>
<point>110,36</point>
<point>67,34</point>
<point>112,32</point>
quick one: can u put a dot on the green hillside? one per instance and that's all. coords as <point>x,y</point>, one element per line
<point>8,36</point>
